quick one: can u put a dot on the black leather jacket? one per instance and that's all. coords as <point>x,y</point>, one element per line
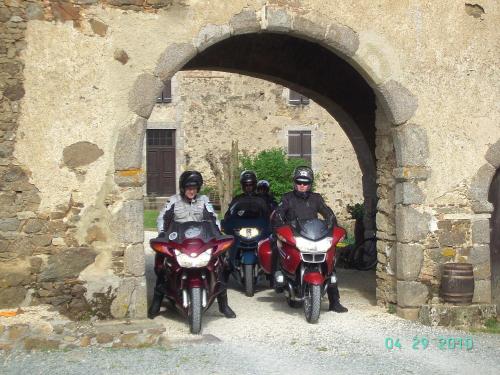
<point>295,206</point>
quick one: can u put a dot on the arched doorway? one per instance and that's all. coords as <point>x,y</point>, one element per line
<point>321,62</point>
<point>494,198</point>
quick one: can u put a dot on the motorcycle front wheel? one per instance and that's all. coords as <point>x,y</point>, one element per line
<point>249,279</point>
<point>312,302</point>
<point>195,310</point>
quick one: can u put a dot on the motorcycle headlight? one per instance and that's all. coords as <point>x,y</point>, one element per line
<point>249,232</point>
<point>321,246</point>
<point>193,261</point>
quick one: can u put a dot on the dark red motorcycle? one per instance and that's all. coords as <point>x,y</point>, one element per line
<point>306,262</point>
<point>193,276</point>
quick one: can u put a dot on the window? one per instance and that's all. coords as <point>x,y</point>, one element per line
<point>166,93</point>
<point>296,98</point>
<point>299,144</point>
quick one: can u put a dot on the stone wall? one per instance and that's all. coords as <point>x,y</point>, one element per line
<point>210,109</point>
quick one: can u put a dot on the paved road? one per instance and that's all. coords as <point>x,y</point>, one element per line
<point>268,337</point>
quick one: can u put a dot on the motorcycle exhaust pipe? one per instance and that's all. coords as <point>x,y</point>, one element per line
<point>185,302</point>
<point>204,298</point>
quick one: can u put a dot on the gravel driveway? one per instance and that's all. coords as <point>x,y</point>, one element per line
<point>268,337</point>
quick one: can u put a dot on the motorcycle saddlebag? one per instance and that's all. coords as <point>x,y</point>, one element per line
<point>265,255</point>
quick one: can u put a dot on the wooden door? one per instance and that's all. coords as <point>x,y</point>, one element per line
<point>160,162</point>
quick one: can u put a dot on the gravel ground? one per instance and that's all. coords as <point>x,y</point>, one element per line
<point>270,337</point>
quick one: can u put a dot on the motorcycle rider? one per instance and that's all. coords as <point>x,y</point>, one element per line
<point>248,181</point>
<point>183,207</point>
<point>263,188</point>
<point>302,204</point>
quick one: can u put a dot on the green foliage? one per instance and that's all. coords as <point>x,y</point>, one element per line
<point>356,211</point>
<point>274,166</point>
<point>150,219</point>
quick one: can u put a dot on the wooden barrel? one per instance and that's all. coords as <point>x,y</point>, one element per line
<point>457,283</point>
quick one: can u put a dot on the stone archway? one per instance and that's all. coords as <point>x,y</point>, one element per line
<point>401,206</point>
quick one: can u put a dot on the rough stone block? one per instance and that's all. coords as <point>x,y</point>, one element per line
<point>482,291</point>
<point>211,34</point>
<point>478,191</point>
<point>67,264</point>
<point>135,260</point>
<point>244,22</point>
<point>173,59</point>
<point>130,178</point>
<point>409,193</point>
<point>128,152</point>
<point>9,225</point>
<point>127,222</point>
<point>409,260</point>
<point>409,313</point>
<point>308,29</point>
<point>35,343</point>
<point>98,27</point>
<point>480,207</point>
<point>385,224</point>
<point>34,11</point>
<point>479,254</point>
<point>343,39</point>
<point>454,233</point>
<point>456,316</point>
<point>142,97</point>
<point>411,225</point>
<point>12,297</point>
<point>14,273</point>
<point>277,20</point>
<point>399,104</point>
<point>34,226</point>
<point>493,154</point>
<point>411,173</point>
<point>130,299</point>
<point>411,145</point>
<point>481,231</point>
<point>411,293</point>
<point>80,154</point>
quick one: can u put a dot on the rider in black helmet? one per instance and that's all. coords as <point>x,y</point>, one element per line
<point>248,181</point>
<point>183,207</point>
<point>263,190</point>
<point>302,204</point>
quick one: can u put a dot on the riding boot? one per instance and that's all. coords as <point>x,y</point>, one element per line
<point>224,307</point>
<point>334,299</point>
<point>154,309</point>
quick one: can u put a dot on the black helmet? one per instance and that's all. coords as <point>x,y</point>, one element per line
<point>190,179</point>
<point>303,174</point>
<point>248,177</point>
<point>263,185</point>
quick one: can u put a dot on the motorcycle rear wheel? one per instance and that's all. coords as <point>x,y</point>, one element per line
<point>195,310</point>
<point>249,279</point>
<point>312,302</point>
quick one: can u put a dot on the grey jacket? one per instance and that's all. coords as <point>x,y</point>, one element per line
<point>180,210</point>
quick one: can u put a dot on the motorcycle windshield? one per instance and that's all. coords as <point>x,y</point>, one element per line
<point>312,229</point>
<point>246,214</point>
<point>204,231</point>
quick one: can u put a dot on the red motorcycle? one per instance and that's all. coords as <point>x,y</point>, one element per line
<point>193,276</point>
<point>306,259</point>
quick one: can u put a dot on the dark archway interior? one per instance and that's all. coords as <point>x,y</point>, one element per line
<point>314,71</point>
<point>494,197</point>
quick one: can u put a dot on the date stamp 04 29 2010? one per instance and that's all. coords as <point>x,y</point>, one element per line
<point>422,343</point>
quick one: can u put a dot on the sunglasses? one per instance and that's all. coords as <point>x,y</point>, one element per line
<point>303,183</point>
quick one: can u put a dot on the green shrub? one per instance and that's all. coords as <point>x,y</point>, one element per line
<point>356,211</point>
<point>274,166</point>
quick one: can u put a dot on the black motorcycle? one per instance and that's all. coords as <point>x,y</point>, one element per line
<point>249,225</point>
